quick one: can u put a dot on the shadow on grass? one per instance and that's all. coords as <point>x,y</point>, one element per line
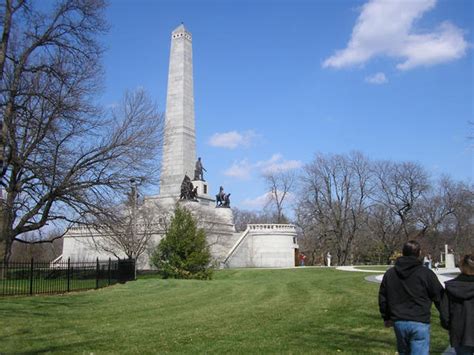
<point>66,348</point>
<point>13,307</point>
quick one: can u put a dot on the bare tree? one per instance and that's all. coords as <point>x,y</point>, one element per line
<point>26,249</point>
<point>383,227</point>
<point>365,210</point>
<point>312,239</point>
<point>244,217</point>
<point>334,196</point>
<point>400,187</point>
<point>458,227</point>
<point>128,229</point>
<point>63,157</point>
<point>279,185</point>
<point>435,205</point>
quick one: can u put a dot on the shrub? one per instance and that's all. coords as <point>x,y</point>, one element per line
<point>183,252</point>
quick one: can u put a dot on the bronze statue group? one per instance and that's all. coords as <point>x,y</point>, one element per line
<point>190,192</point>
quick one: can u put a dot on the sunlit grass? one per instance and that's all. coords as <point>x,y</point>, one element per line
<point>301,310</point>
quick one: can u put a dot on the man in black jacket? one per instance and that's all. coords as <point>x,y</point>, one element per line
<point>405,297</point>
<point>457,308</point>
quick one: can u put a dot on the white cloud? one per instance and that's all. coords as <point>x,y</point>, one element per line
<point>240,170</point>
<point>446,44</point>
<point>258,202</point>
<point>263,201</point>
<point>243,169</point>
<point>386,27</point>
<point>377,78</point>
<point>232,139</point>
<point>277,164</point>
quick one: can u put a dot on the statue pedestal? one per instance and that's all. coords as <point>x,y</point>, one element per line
<point>203,192</point>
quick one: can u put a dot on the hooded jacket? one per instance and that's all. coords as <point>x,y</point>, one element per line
<point>408,290</point>
<point>457,310</point>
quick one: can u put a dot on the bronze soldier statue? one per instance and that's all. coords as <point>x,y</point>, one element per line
<point>226,201</point>
<point>222,199</point>
<point>199,170</point>
<point>186,188</point>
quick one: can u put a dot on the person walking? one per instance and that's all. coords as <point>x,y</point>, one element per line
<point>302,259</point>
<point>405,298</point>
<point>457,308</point>
<point>426,261</point>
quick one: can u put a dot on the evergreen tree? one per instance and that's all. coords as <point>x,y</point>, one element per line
<point>183,252</point>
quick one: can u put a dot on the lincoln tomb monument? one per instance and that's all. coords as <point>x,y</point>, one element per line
<point>181,181</point>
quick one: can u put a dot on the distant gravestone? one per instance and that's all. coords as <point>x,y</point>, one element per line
<point>449,258</point>
<point>328,258</point>
<point>450,264</point>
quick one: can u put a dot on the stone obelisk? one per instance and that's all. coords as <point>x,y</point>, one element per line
<point>179,148</point>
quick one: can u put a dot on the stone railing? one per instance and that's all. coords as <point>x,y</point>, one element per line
<point>272,227</point>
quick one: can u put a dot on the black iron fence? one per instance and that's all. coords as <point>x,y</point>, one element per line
<point>30,278</point>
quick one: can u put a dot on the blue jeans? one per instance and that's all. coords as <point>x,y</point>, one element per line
<point>412,337</point>
<point>464,350</point>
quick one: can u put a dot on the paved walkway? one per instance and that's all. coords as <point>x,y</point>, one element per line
<point>354,268</point>
<point>442,273</point>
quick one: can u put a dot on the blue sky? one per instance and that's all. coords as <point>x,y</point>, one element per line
<point>277,81</point>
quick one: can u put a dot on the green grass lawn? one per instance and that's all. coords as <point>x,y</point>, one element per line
<point>320,311</point>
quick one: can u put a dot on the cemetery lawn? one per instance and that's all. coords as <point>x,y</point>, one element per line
<point>304,310</point>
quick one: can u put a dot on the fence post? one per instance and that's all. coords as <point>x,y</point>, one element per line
<point>69,274</point>
<point>31,277</point>
<point>97,274</point>
<point>108,272</point>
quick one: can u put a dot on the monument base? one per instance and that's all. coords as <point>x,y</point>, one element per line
<point>265,245</point>
<point>203,192</point>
